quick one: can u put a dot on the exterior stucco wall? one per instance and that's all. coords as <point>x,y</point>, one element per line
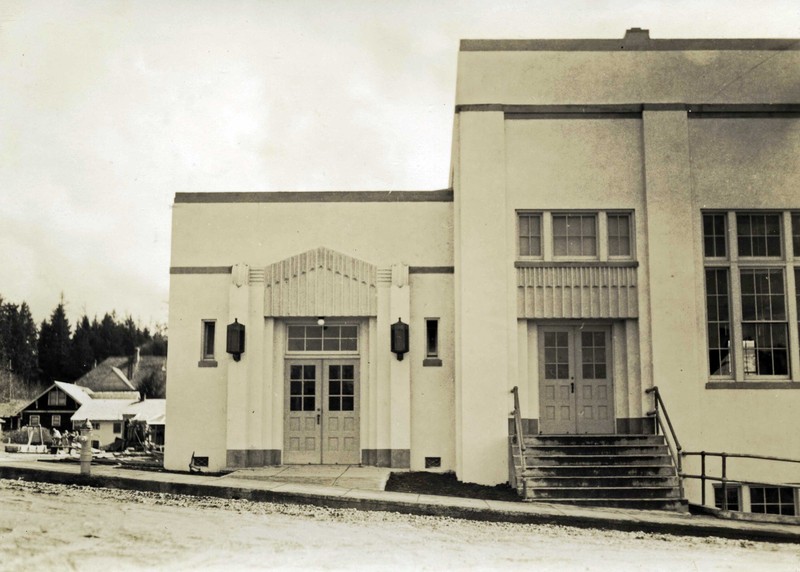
<point>196,396</point>
<point>432,387</point>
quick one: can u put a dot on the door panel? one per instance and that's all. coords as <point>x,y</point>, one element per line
<point>302,407</point>
<point>576,391</point>
<point>321,419</point>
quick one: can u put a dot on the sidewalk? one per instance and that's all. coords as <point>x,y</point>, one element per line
<point>234,487</point>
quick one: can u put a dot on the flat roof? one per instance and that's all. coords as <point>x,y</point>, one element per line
<point>444,195</point>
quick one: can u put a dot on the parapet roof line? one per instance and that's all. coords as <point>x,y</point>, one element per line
<point>443,195</point>
<point>636,45</point>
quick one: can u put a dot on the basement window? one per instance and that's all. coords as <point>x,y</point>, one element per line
<point>772,500</point>
<point>433,462</point>
<point>734,494</point>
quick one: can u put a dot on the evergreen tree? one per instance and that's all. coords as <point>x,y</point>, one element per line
<point>82,350</point>
<point>54,347</point>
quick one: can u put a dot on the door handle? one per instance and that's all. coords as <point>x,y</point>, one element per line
<point>318,414</point>
<point>572,387</point>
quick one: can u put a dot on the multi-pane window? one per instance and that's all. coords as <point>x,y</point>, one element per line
<point>302,388</point>
<point>209,329</point>
<point>764,326</point>
<point>55,420</point>
<point>772,500</point>
<point>341,388</point>
<point>747,301</point>
<point>34,421</point>
<point>593,355</point>
<point>733,494</point>
<point>758,234</point>
<point>796,233</point>
<point>530,234</point>
<point>619,234</point>
<point>599,235</point>
<point>574,235</point>
<point>304,338</point>
<point>714,236</point>
<point>556,355</point>
<point>56,397</point>
<point>719,322</point>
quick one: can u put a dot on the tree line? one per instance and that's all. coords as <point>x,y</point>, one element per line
<point>32,357</point>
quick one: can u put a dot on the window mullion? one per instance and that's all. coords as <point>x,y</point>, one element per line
<point>547,236</point>
<point>736,322</point>
<point>602,236</point>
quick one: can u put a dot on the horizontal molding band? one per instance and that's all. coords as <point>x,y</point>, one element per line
<point>440,196</point>
<point>635,45</point>
<point>633,110</point>
<point>431,269</point>
<point>200,269</point>
<point>576,264</point>
<point>753,385</point>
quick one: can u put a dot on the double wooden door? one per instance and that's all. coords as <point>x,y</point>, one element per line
<point>576,391</point>
<point>321,412</point>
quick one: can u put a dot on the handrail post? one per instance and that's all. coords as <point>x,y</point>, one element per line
<point>656,399</point>
<point>724,481</point>
<point>703,478</point>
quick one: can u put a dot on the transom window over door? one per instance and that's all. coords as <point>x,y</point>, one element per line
<point>308,338</point>
<point>751,280</point>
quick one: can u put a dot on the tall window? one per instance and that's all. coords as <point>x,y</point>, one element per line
<point>747,302</point>
<point>432,337</point>
<point>209,329</point>
<point>619,234</point>
<point>530,234</point>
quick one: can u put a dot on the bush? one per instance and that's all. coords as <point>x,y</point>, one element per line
<point>20,436</point>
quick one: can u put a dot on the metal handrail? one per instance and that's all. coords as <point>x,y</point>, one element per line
<point>724,470</point>
<point>677,452</point>
<point>520,436</point>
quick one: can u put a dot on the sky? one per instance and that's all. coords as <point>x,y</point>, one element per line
<point>108,108</point>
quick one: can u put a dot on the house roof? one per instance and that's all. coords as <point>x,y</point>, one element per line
<point>109,375</point>
<point>102,410</point>
<point>148,365</point>
<point>79,394</point>
<point>129,395</point>
<point>13,407</point>
<point>153,411</point>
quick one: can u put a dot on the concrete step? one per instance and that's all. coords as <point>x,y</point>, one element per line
<point>565,493</point>
<point>665,470</point>
<point>551,459</point>
<point>553,449</point>
<point>671,504</point>
<point>602,482</point>
<point>594,439</point>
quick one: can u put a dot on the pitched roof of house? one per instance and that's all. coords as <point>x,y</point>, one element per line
<point>13,407</point>
<point>129,395</point>
<point>79,394</point>
<point>102,410</point>
<point>148,365</point>
<point>153,411</point>
<point>109,375</point>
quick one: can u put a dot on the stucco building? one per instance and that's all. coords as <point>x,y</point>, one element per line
<point>622,214</point>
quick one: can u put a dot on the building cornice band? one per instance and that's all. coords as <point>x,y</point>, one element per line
<point>634,110</point>
<point>635,45</point>
<point>440,196</point>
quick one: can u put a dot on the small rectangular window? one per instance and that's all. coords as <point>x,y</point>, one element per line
<point>34,421</point>
<point>117,428</point>
<point>530,234</point>
<point>772,500</point>
<point>575,235</point>
<point>55,420</point>
<point>619,234</point>
<point>209,329</point>
<point>734,494</point>
<point>714,235</point>
<point>758,235</point>
<point>432,337</point>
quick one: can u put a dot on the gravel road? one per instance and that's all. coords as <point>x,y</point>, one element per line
<point>58,527</point>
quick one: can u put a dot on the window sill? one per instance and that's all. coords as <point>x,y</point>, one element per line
<point>576,263</point>
<point>753,385</point>
<point>431,362</point>
<point>207,363</point>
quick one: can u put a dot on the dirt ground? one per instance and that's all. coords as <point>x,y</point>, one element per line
<point>58,527</point>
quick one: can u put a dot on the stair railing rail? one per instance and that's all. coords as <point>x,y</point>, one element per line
<point>663,423</point>
<point>519,437</point>
<point>723,478</point>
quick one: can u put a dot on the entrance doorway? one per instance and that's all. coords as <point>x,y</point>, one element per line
<point>321,412</point>
<point>576,391</point>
